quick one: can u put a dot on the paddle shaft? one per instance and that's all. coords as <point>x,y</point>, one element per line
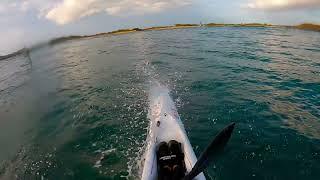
<point>214,148</point>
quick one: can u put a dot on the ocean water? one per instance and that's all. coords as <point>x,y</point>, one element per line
<point>79,109</point>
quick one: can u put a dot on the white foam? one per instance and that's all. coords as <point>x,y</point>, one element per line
<point>103,155</point>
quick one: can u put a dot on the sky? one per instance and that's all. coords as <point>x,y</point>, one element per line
<point>27,22</point>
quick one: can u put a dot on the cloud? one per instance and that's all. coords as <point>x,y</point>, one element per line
<point>70,10</point>
<point>5,7</point>
<point>2,9</point>
<point>17,40</point>
<point>283,4</point>
<point>18,7</point>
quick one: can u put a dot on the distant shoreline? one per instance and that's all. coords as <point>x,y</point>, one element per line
<point>123,31</point>
<point>17,53</point>
<point>305,26</point>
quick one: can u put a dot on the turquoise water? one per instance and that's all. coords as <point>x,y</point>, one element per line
<point>78,110</point>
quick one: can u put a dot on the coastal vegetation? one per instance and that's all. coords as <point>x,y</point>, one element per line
<point>62,39</point>
<point>309,26</point>
<point>215,25</point>
<point>156,28</point>
<point>238,25</point>
<point>305,26</point>
<point>23,51</point>
<point>176,26</point>
<point>121,31</point>
<point>254,25</point>
<point>186,25</point>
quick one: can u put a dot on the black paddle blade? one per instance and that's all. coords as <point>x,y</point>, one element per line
<point>214,149</point>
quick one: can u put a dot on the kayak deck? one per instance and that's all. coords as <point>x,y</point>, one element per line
<point>165,125</point>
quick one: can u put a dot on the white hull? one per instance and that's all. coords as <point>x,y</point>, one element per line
<point>162,109</point>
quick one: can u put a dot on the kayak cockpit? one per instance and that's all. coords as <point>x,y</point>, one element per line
<point>170,161</point>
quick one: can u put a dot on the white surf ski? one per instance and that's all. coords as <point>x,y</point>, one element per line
<point>165,125</point>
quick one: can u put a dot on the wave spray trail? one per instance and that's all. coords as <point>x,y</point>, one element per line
<point>160,103</point>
